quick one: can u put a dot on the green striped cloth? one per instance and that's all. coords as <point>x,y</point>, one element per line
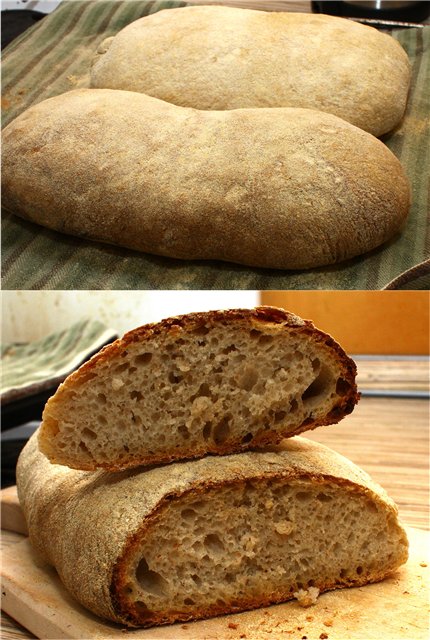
<point>30,368</point>
<point>55,55</point>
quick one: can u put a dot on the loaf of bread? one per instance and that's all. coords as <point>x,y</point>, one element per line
<point>281,188</point>
<point>227,58</point>
<point>215,382</point>
<point>211,536</point>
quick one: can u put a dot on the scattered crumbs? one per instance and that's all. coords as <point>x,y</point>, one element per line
<point>328,623</point>
<point>232,625</point>
<point>304,637</point>
<point>307,597</point>
<point>242,635</point>
<point>267,613</point>
<point>299,628</point>
<point>323,636</point>
<point>423,564</point>
<point>309,618</point>
<point>406,592</point>
<point>184,626</point>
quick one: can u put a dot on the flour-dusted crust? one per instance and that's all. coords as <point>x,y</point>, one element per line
<point>93,527</point>
<point>280,188</point>
<point>229,58</point>
<point>212,382</point>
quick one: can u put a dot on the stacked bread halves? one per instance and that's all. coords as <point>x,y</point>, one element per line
<point>164,483</point>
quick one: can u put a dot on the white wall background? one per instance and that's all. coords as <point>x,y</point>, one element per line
<point>30,315</point>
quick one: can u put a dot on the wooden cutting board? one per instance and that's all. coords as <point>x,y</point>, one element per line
<point>395,609</point>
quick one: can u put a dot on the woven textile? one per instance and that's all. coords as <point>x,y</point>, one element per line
<point>55,56</point>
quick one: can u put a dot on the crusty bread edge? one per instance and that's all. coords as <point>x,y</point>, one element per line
<point>261,314</point>
<point>119,578</point>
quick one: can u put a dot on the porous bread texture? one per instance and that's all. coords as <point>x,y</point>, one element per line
<point>230,58</point>
<point>214,382</point>
<point>211,536</point>
<point>278,188</point>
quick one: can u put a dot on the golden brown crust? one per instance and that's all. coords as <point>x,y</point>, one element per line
<point>277,188</point>
<point>115,510</point>
<point>263,317</point>
<point>230,58</point>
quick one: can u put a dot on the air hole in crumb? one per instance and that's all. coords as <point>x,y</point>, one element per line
<point>316,365</point>
<point>248,379</point>
<point>343,573</point>
<point>144,358</point>
<point>247,438</point>
<point>204,390</point>
<point>323,497</point>
<point>101,419</point>
<point>121,367</point>
<point>265,339</point>
<point>195,578</point>
<point>136,395</point>
<point>182,429</point>
<point>213,543</point>
<point>207,430</point>
<point>201,331</point>
<point>83,447</point>
<point>222,430</point>
<point>188,514</point>
<point>101,398</point>
<point>359,570</point>
<point>229,349</point>
<point>303,496</point>
<point>294,405</point>
<point>189,601</point>
<point>342,387</point>
<point>126,448</point>
<point>318,386</point>
<point>88,433</point>
<point>174,378</point>
<point>150,581</point>
<point>254,333</point>
<point>280,415</point>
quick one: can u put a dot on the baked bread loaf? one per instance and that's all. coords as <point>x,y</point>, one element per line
<point>281,188</point>
<point>228,58</point>
<point>211,536</point>
<point>214,382</point>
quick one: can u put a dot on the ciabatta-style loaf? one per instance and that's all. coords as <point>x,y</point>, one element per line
<point>210,536</point>
<point>230,58</point>
<point>277,188</point>
<point>216,382</point>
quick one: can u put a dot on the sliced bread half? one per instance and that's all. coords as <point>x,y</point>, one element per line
<point>216,382</point>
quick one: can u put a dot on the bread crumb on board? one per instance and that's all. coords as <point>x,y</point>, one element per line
<point>307,597</point>
<point>232,625</point>
<point>328,623</point>
<point>423,564</point>
<point>323,636</point>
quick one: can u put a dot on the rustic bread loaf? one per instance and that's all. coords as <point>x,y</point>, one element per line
<point>281,188</point>
<point>228,58</point>
<point>211,536</point>
<point>213,382</point>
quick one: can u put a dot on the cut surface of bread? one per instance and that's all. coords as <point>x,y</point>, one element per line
<point>215,382</point>
<point>230,58</point>
<point>211,536</point>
